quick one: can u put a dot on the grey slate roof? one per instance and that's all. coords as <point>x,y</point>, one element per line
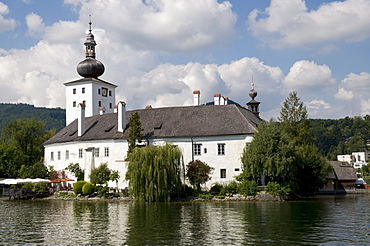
<point>187,121</point>
<point>342,171</point>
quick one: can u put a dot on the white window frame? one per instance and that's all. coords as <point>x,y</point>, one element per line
<point>221,150</point>
<point>197,149</point>
<point>96,152</point>
<point>223,173</point>
<point>106,152</point>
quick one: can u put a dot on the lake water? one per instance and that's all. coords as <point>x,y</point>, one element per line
<point>326,220</point>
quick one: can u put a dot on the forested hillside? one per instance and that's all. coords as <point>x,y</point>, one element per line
<point>54,118</point>
<point>341,136</point>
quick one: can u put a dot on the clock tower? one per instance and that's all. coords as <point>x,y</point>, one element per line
<point>96,94</point>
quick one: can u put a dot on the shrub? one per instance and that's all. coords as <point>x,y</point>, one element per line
<point>186,191</point>
<point>205,196</point>
<point>77,187</point>
<point>40,187</point>
<point>279,190</point>
<point>220,196</point>
<point>88,188</point>
<point>216,189</point>
<point>247,188</point>
<point>230,188</point>
<point>103,191</point>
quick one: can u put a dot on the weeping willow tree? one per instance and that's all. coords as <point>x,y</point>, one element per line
<point>155,172</point>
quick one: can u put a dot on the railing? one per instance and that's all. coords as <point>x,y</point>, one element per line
<point>19,193</point>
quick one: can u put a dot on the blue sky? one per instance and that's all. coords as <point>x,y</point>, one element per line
<point>159,51</point>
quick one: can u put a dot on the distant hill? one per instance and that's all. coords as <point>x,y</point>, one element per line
<point>54,118</point>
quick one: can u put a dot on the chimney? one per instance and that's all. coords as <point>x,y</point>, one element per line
<point>196,95</point>
<point>102,110</point>
<point>148,107</point>
<point>115,108</point>
<point>222,101</point>
<point>81,119</point>
<point>226,99</point>
<point>217,98</point>
<point>121,114</point>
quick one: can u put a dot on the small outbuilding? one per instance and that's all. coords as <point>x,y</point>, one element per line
<point>341,179</point>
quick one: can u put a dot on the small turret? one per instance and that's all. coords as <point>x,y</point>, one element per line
<point>253,104</point>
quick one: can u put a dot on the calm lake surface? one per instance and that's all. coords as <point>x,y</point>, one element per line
<point>326,220</point>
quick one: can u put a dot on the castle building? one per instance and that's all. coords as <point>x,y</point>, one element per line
<point>97,127</point>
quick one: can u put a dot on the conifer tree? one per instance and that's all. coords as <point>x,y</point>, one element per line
<point>135,132</point>
<point>294,119</point>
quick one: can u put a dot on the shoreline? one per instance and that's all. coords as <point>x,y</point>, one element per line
<point>260,197</point>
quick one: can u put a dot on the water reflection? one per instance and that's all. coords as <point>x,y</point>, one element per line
<point>330,220</point>
<point>153,223</point>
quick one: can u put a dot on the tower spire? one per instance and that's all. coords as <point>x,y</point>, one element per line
<point>90,67</point>
<point>90,42</point>
<point>90,23</point>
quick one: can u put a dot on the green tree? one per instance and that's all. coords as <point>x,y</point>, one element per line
<point>311,172</point>
<point>38,170</point>
<point>135,134</point>
<point>275,156</point>
<point>270,155</point>
<point>76,170</point>
<point>114,176</point>
<point>100,175</point>
<point>154,172</point>
<point>21,144</point>
<point>11,160</point>
<point>198,172</point>
<point>293,119</point>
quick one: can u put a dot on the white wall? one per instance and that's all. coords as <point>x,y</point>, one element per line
<point>115,160</point>
<point>91,97</point>
<point>118,149</point>
<point>231,161</point>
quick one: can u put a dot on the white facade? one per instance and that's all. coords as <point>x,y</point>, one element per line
<point>220,152</point>
<point>89,155</point>
<point>360,157</point>
<point>94,93</point>
<point>346,158</point>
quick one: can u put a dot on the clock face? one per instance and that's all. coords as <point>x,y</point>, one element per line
<point>104,92</point>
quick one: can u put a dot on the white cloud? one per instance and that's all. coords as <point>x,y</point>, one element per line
<point>343,94</point>
<point>35,26</point>
<point>354,85</point>
<point>365,107</point>
<point>354,89</point>
<point>165,25</point>
<point>172,85</point>
<point>308,76</point>
<point>318,104</point>
<point>129,48</point>
<point>6,24</point>
<point>289,22</point>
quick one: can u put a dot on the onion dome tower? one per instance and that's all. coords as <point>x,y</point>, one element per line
<point>90,67</point>
<point>97,96</point>
<point>253,104</point>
